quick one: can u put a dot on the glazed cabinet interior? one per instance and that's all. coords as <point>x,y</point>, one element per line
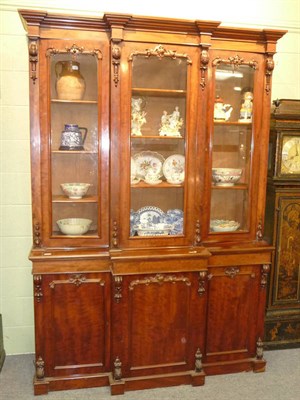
<point>149,146</point>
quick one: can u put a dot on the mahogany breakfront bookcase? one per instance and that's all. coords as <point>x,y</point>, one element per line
<point>168,283</point>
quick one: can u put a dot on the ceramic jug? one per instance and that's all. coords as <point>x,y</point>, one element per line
<point>71,137</point>
<point>70,84</point>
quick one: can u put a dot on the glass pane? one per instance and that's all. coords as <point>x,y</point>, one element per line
<point>231,150</point>
<point>74,144</point>
<point>158,132</point>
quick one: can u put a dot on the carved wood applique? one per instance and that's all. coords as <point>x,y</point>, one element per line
<point>77,280</point>
<point>159,279</point>
<point>160,51</point>
<point>236,61</point>
<point>74,50</point>
<point>232,272</point>
<point>37,282</point>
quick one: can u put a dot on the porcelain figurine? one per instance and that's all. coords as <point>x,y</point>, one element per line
<point>222,111</point>
<point>171,123</point>
<point>138,117</point>
<point>246,107</point>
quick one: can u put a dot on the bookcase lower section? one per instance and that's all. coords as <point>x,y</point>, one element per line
<point>169,321</point>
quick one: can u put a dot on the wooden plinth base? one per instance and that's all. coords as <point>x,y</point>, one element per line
<point>156,381</point>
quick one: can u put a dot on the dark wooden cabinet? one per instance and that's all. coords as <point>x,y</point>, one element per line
<point>282,325</point>
<point>157,274</point>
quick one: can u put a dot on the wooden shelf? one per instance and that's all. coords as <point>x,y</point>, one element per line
<point>241,186</point>
<point>162,185</point>
<point>157,137</point>
<point>232,123</point>
<point>74,101</point>
<point>158,92</point>
<point>74,152</point>
<point>64,199</point>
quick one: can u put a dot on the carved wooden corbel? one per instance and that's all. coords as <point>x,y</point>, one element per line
<point>33,59</point>
<point>116,57</point>
<point>269,70</point>
<point>202,280</point>
<point>264,275</point>
<point>204,60</point>
<point>37,283</point>
<point>117,369</point>
<point>40,368</point>
<point>198,361</point>
<point>118,288</point>
<point>259,349</point>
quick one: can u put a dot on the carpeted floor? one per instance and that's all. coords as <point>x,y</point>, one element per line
<point>281,381</point>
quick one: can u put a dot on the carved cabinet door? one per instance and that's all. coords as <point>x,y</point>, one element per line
<point>158,323</point>
<point>72,323</point>
<point>236,302</point>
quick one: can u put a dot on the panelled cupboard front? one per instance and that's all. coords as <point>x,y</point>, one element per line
<point>149,147</point>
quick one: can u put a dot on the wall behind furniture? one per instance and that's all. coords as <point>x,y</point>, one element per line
<point>16,301</point>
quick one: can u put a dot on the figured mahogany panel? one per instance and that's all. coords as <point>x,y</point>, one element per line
<point>75,318</point>
<point>231,324</point>
<point>159,313</point>
<point>159,322</point>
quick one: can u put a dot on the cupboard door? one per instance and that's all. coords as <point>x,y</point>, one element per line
<point>157,132</point>
<point>72,323</point>
<point>159,323</point>
<point>233,297</point>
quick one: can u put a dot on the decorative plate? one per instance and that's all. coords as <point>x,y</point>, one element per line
<point>174,166</point>
<point>150,216</point>
<point>155,230</point>
<point>148,161</point>
<point>132,169</point>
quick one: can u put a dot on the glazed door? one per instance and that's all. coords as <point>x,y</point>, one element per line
<point>157,134</point>
<point>74,135</point>
<point>235,141</point>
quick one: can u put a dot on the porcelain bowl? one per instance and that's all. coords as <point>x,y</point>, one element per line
<point>74,226</point>
<point>222,225</point>
<point>75,190</point>
<point>226,176</point>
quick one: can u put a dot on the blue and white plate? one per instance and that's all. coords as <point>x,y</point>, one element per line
<point>150,215</point>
